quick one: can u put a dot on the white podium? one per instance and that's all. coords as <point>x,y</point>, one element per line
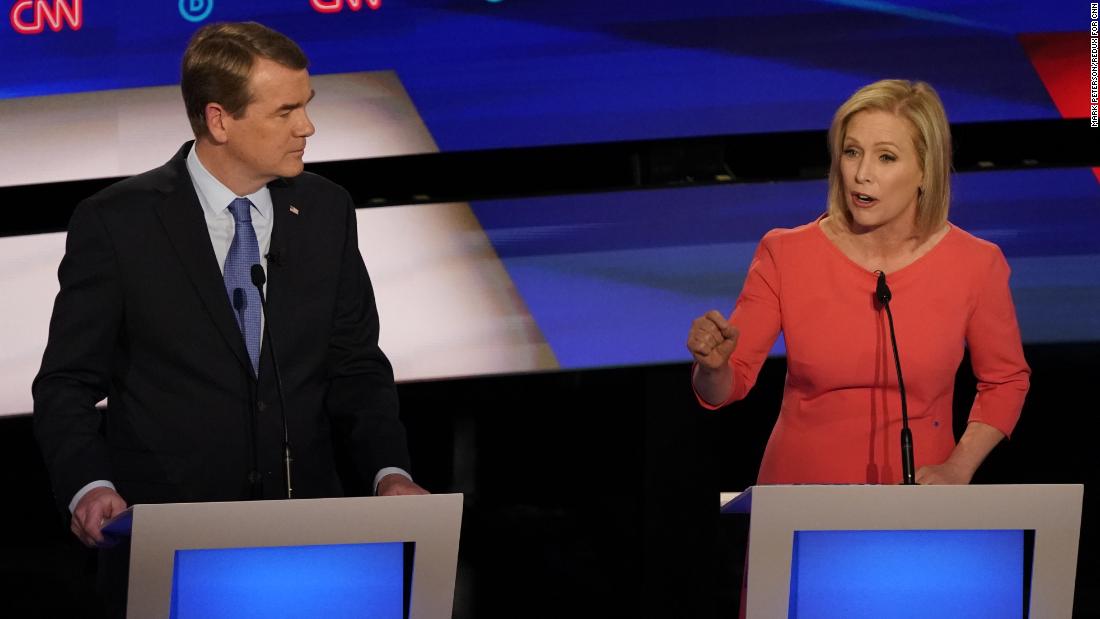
<point>431,522</point>
<point>1050,516</point>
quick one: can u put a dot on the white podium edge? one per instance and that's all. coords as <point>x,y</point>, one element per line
<point>433,522</point>
<point>1053,511</point>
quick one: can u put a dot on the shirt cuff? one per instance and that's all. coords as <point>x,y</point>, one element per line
<point>99,483</point>
<point>389,470</point>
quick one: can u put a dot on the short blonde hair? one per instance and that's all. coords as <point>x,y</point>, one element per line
<point>918,103</point>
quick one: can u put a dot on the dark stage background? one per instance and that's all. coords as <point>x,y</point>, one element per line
<point>589,493</point>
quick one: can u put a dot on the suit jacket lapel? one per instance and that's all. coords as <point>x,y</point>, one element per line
<point>284,245</point>
<point>185,225</point>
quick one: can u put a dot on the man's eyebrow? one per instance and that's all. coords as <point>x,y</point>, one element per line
<point>286,107</point>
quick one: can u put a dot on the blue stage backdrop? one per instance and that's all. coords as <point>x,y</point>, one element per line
<point>616,278</point>
<point>487,74</point>
<point>579,281</point>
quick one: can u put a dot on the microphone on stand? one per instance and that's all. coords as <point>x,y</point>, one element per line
<point>908,475</point>
<point>255,480</point>
<point>259,278</point>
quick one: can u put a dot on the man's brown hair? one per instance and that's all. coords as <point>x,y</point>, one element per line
<point>218,61</point>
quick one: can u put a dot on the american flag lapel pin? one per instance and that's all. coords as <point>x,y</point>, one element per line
<point>293,209</point>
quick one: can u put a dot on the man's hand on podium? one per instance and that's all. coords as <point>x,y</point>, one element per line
<point>94,509</point>
<point>395,485</point>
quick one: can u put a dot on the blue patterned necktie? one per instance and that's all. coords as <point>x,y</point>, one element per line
<point>243,296</point>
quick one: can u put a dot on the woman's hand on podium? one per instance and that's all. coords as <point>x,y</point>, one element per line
<point>942,474</point>
<point>974,445</point>
<point>93,510</point>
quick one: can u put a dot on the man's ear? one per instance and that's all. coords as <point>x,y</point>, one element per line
<point>217,120</point>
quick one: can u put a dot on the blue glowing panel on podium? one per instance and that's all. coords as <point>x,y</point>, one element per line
<point>331,581</point>
<point>903,574</point>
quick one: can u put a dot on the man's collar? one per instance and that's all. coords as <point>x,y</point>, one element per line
<point>215,196</point>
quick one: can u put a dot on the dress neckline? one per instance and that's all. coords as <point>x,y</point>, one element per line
<point>860,269</point>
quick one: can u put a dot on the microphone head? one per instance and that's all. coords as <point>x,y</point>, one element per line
<point>882,291</point>
<point>240,301</point>
<point>259,278</point>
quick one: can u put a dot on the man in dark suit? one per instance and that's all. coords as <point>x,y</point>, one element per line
<point>157,313</point>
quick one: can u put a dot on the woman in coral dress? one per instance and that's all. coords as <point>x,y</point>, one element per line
<point>840,419</point>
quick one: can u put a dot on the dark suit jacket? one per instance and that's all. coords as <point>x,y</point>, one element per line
<point>143,318</point>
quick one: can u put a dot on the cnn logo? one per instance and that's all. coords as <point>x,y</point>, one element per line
<point>32,16</point>
<point>335,6</point>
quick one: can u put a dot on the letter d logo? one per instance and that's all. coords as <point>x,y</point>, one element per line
<point>196,10</point>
